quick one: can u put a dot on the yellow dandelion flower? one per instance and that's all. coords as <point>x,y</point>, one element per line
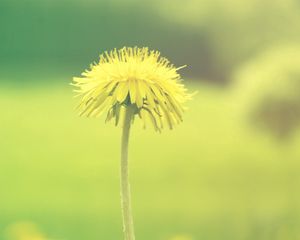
<point>181,237</point>
<point>134,77</point>
<point>24,231</point>
<point>126,83</point>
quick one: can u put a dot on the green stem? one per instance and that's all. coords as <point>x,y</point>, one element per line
<point>125,187</point>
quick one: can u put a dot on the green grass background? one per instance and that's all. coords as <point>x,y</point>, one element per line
<point>210,178</point>
<point>214,177</point>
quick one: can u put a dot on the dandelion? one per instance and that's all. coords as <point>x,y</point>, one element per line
<point>129,83</point>
<point>181,237</point>
<point>24,231</point>
<point>267,90</point>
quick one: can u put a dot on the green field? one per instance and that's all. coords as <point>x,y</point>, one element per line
<point>210,178</point>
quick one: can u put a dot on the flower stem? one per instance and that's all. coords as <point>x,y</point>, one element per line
<point>125,187</point>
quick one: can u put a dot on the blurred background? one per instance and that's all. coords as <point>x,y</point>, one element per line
<point>231,171</point>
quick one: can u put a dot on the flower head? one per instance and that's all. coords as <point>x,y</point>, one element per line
<point>134,77</point>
